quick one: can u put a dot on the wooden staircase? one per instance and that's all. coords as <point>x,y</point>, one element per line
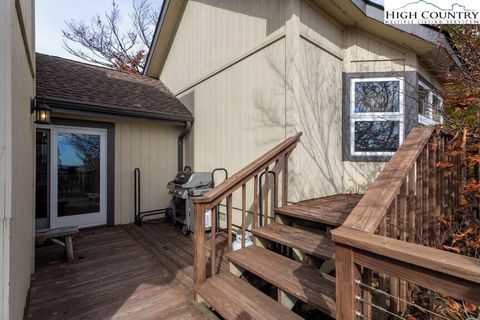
<point>291,259</point>
<point>292,275</point>
<point>383,241</point>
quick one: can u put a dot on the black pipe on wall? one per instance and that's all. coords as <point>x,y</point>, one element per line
<point>181,140</point>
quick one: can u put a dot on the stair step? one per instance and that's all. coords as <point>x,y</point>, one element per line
<point>306,241</point>
<point>330,210</point>
<point>324,216</point>
<point>234,298</point>
<point>299,280</point>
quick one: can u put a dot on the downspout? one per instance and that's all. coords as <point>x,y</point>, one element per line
<point>181,140</point>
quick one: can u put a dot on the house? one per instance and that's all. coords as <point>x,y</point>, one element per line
<point>17,87</point>
<point>254,73</point>
<point>323,88</point>
<point>104,124</point>
<point>343,91</point>
<point>78,167</point>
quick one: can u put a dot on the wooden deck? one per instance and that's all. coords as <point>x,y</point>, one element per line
<point>122,272</point>
<point>128,272</point>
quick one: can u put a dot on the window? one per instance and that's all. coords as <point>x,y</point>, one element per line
<point>430,105</point>
<point>376,116</point>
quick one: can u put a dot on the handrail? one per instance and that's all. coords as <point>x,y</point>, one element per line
<point>430,258</point>
<point>245,174</point>
<point>373,206</point>
<point>390,242</point>
<point>277,158</point>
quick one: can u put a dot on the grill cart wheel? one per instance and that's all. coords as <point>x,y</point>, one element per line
<point>185,230</point>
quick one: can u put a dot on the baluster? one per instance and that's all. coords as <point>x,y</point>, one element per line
<point>403,211</point>
<point>244,205</point>
<point>425,202</point>
<point>438,196</point>
<point>285,180</point>
<point>213,241</point>
<point>444,179</point>
<point>265,198</point>
<point>394,219</point>
<point>199,255</point>
<point>403,236</point>
<point>255,203</point>
<point>458,180</point>
<point>367,276</point>
<point>451,187</point>
<point>275,186</point>
<point>229,222</point>
<point>382,299</point>
<point>432,188</point>
<point>383,278</point>
<point>453,182</point>
<point>411,204</point>
<point>394,235</point>
<point>419,200</point>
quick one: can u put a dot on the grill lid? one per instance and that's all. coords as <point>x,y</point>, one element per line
<point>190,179</point>
<point>182,177</point>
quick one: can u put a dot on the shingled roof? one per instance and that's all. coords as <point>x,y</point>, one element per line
<point>74,85</point>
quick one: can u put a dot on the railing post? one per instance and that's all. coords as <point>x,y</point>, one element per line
<point>346,288</point>
<point>199,255</point>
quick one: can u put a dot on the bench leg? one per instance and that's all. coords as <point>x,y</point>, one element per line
<point>69,248</point>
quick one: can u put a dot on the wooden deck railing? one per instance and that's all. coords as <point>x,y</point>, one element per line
<point>387,249</point>
<point>276,161</point>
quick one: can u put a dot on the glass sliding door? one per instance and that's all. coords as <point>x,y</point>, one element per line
<point>42,179</point>
<point>78,177</point>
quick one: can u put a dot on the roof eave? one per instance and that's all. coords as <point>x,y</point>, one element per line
<point>370,10</point>
<point>165,31</point>
<point>80,108</point>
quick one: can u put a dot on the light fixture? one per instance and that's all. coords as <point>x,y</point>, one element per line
<point>42,111</point>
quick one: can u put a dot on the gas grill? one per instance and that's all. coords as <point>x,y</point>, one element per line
<point>186,185</point>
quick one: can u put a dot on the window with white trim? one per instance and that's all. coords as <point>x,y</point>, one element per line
<point>376,116</point>
<point>430,105</point>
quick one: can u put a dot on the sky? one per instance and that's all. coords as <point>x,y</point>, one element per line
<point>52,14</point>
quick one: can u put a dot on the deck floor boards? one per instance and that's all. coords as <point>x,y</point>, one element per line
<point>121,272</point>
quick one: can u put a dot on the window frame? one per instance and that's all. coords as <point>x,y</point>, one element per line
<point>376,116</point>
<point>428,120</point>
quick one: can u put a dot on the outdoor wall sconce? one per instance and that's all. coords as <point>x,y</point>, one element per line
<point>42,111</point>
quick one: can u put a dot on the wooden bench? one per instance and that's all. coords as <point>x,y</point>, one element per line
<point>54,234</point>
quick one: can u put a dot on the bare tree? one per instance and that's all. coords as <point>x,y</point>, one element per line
<point>103,42</point>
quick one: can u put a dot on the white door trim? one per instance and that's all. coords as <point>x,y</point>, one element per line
<point>81,220</point>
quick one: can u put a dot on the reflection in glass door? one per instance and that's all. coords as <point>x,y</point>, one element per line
<point>78,177</point>
<point>42,179</point>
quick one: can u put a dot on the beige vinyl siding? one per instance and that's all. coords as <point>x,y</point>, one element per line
<point>318,159</point>
<point>321,29</point>
<point>217,66</point>
<point>151,147</point>
<point>212,33</point>
<point>367,53</point>
<point>315,102</point>
<point>16,158</point>
<point>5,102</point>
<point>239,113</point>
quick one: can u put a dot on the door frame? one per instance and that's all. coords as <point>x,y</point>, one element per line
<point>57,121</point>
<point>87,219</point>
